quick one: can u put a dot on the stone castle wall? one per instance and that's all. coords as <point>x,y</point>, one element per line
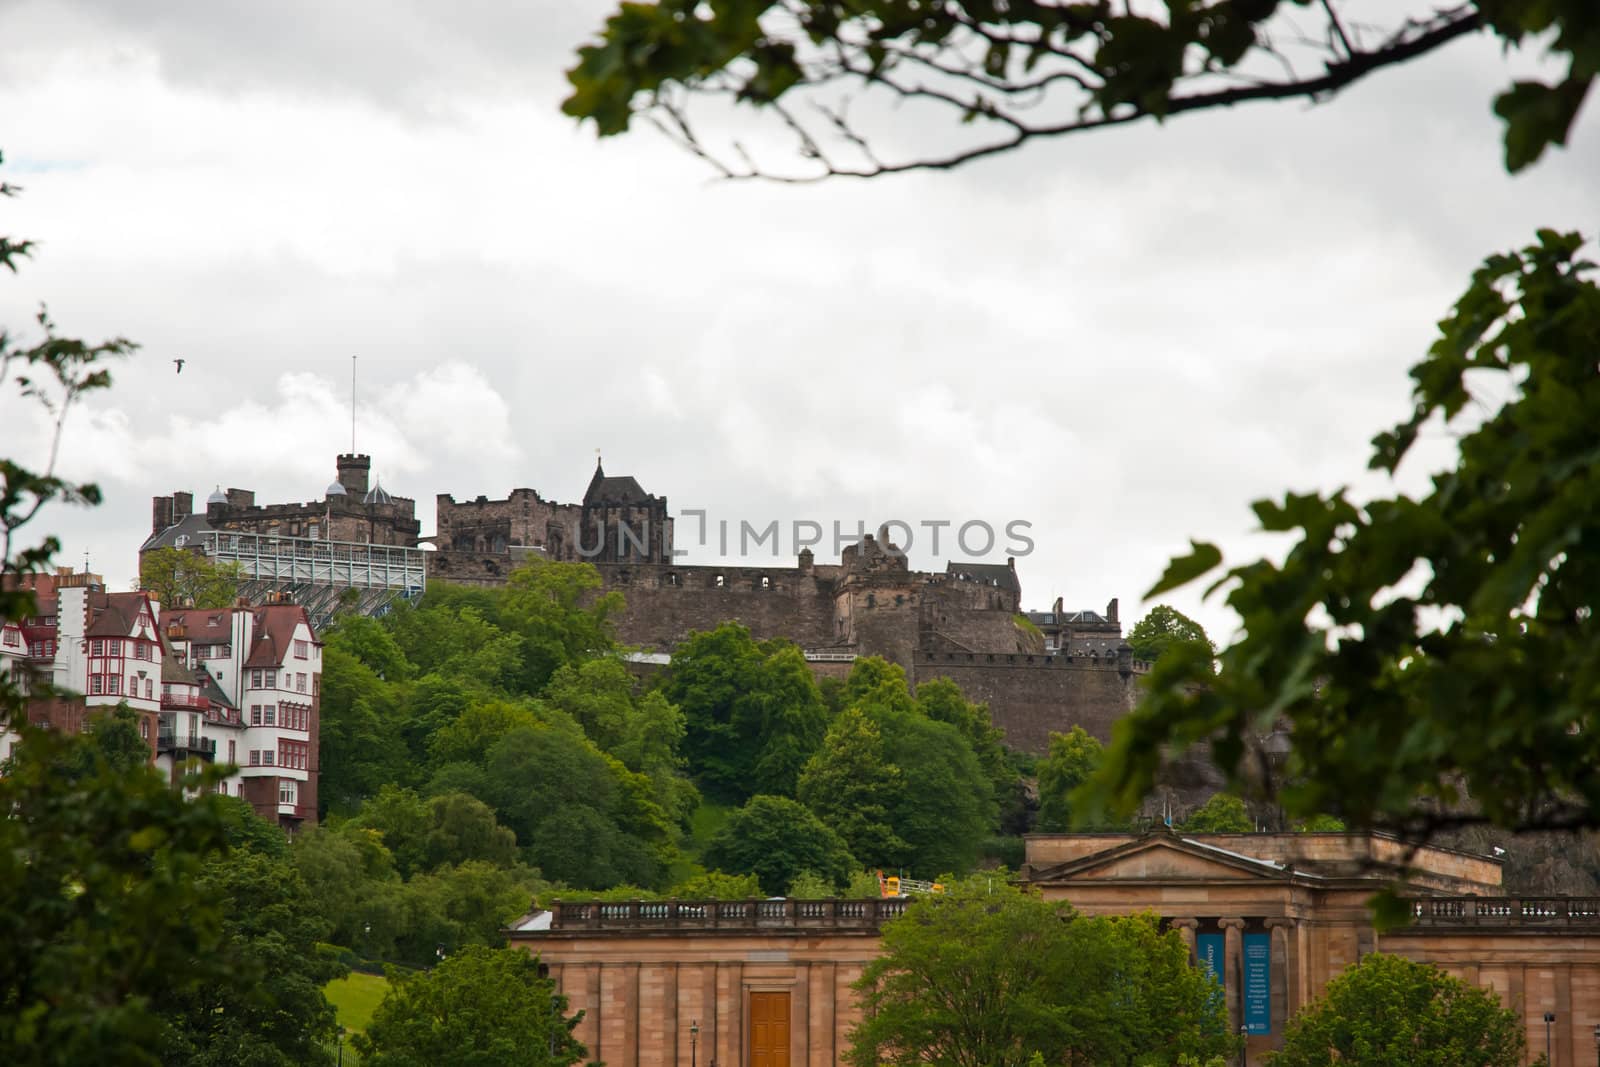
<point>1032,695</point>
<point>665,603</point>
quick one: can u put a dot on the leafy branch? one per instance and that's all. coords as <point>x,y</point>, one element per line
<point>1019,70</point>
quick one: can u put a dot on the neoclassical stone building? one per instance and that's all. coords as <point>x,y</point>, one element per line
<point>766,983</point>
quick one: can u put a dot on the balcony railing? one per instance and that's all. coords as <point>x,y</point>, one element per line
<point>1457,912</point>
<point>182,746</point>
<point>185,700</point>
<point>861,916</point>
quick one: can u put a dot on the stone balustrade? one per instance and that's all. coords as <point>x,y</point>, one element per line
<point>1457,912</point>
<point>636,916</point>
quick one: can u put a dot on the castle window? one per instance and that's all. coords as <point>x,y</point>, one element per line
<point>721,581</point>
<point>672,578</point>
<point>766,583</point>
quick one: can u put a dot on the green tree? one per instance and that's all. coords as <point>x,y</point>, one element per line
<point>986,974</point>
<point>113,740</point>
<point>752,710</point>
<point>583,818</point>
<point>463,904</point>
<point>776,838</point>
<point>84,970</point>
<point>181,578</point>
<point>809,885</point>
<point>480,1007</point>
<point>644,731</point>
<point>271,1012</point>
<point>560,614</point>
<point>1007,74</point>
<point>1387,1011</point>
<point>371,642</point>
<point>849,785</point>
<point>449,828</point>
<point>941,700</point>
<point>1223,813</point>
<point>1161,628</point>
<point>461,828</point>
<point>947,807</point>
<point>1073,759</point>
<point>716,885</point>
<point>469,736</point>
<point>361,744</point>
<point>351,879</point>
<point>459,643</point>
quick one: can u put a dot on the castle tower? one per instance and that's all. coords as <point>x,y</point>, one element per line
<point>353,472</point>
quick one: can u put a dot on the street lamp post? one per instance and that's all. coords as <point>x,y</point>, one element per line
<point>1244,1047</point>
<point>694,1042</point>
<point>1549,1017</point>
<point>341,1046</point>
<point>1597,1046</point>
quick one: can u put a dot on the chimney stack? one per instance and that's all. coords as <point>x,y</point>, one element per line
<point>160,514</point>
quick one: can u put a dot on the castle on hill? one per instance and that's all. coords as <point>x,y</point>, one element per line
<point>1039,671</point>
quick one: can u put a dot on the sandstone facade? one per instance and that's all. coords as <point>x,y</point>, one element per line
<point>646,972</point>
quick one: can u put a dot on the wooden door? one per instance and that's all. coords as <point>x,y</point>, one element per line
<point>769,1030</point>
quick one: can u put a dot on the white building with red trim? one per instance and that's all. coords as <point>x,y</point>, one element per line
<point>240,685</point>
<point>13,666</point>
<point>262,667</point>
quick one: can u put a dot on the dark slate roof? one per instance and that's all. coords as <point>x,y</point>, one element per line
<point>173,672</point>
<point>114,614</point>
<point>999,574</point>
<point>620,490</point>
<point>211,690</point>
<point>189,527</point>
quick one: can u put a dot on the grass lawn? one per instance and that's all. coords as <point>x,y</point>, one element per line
<point>355,998</point>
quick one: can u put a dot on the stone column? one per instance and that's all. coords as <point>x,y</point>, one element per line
<point>1285,973</point>
<point>1233,970</point>
<point>1186,929</point>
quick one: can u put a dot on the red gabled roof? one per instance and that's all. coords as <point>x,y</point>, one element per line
<point>274,633</point>
<point>202,625</point>
<point>116,614</point>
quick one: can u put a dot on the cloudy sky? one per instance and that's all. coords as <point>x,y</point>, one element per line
<point>1122,338</point>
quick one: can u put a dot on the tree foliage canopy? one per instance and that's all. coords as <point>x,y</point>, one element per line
<point>1073,759</point>
<point>986,975</point>
<point>178,578</point>
<point>827,71</point>
<point>1222,814</point>
<point>480,1007</point>
<point>775,839</point>
<point>1161,628</point>
<point>1388,1011</point>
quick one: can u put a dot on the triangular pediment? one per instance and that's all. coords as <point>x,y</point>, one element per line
<point>1161,858</point>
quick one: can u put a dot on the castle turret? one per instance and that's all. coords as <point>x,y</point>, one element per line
<point>353,473</point>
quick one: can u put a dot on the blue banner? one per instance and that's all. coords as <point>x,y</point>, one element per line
<point>1209,948</point>
<point>1258,983</point>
